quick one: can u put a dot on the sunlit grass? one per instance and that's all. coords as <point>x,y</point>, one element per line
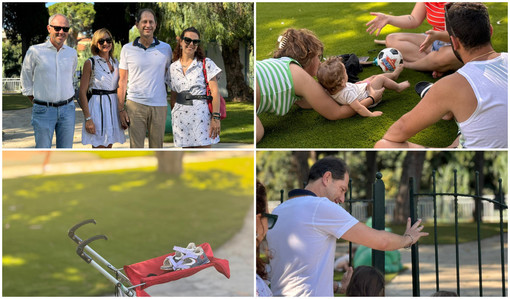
<point>143,213</point>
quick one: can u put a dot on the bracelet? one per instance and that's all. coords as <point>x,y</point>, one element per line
<point>216,114</point>
<point>216,117</point>
<point>88,118</point>
<point>373,100</point>
<point>412,241</point>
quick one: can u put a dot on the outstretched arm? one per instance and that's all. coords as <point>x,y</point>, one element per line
<point>405,22</point>
<point>383,240</point>
<point>316,97</point>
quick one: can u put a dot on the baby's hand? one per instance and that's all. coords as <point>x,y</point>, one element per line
<point>376,113</point>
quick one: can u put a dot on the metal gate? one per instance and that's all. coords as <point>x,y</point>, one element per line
<point>499,203</point>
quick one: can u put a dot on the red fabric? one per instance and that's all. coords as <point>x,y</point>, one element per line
<point>137,273</point>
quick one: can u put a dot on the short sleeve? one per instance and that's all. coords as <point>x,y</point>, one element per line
<point>333,219</point>
<point>123,58</point>
<point>348,95</point>
<point>212,69</point>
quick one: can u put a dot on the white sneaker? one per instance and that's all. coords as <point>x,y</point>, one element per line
<point>185,258</point>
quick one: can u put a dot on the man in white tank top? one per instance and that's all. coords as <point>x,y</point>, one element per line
<point>476,95</point>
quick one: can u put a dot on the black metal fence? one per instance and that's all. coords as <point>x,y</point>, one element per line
<point>499,202</point>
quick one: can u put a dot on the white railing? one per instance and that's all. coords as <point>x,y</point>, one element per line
<point>426,209</point>
<point>11,85</point>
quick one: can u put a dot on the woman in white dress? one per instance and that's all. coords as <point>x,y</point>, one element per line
<point>102,126</point>
<point>192,123</point>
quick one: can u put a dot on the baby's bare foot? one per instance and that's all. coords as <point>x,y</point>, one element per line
<point>398,70</point>
<point>403,85</point>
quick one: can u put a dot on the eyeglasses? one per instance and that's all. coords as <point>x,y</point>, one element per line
<point>188,41</point>
<point>271,219</point>
<point>58,28</point>
<point>446,21</point>
<point>103,40</point>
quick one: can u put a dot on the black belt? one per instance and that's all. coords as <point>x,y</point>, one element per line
<point>103,92</point>
<point>53,104</point>
<point>184,98</point>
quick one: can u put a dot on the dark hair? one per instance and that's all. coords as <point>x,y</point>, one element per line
<point>366,281</point>
<point>469,22</point>
<point>261,208</point>
<point>444,294</point>
<point>335,165</point>
<point>301,45</point>
<point>141,11</point>
<point>177,53</point>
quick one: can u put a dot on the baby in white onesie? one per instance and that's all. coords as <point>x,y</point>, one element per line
<point>333,77</point>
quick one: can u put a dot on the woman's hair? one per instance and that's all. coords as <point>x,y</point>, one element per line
<point>261,208</point>
<point>100,33</point>
<point>444,294</point>
<point>199,53</point>
<point>331,73</point>
<point>366,281</point>
<point>301,45</point>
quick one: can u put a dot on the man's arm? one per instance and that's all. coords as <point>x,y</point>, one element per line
<point>121,96</point>
<point>437,102</point>
<point>27,75</point>
<point>383,240</point>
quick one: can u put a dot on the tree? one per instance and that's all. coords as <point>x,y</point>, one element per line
<point>300,166</point>
<point>27,21</point>
<point>80,16</point>
<point>413,166</point>
<point>117,17</point>
<point>170,162</point>
<point>228,24</point>
<point>11,59</point>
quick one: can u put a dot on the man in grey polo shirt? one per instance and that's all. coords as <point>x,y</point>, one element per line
<point>47,80</point>
<point>143,64</point>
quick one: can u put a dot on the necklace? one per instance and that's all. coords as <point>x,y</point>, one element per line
<point>186,66</point>
<point>488,53</point>
<point>109,70</point>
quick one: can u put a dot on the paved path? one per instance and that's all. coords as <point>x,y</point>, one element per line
<point>239,250</point>
<point>17,132</point>
<point>468,272</point>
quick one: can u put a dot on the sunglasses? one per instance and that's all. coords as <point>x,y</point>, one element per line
<point>58,28</point>
<point>188,41</point>
<point>103,40</point>
<point>271,219</point>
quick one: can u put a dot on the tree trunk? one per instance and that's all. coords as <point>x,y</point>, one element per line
<point>412,167</point>
<point>170,162</point>
<point>238,90</point>
<point>479,163</point>
<point>300,166</point>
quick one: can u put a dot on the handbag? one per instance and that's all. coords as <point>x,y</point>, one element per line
<point>223,105</point>
<point>91,79</point>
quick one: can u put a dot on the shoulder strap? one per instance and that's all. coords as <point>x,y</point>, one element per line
<point>208,90</point>
<point>92,61</point>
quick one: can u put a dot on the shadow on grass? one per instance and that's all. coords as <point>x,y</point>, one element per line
<point>144,214</point>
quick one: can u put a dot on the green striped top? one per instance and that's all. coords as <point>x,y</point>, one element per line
<point>276,85</point>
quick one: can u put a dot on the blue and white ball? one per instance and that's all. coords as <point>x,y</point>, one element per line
<point>388,59</point>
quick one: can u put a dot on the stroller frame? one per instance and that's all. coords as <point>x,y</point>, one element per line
<point>123,286</point>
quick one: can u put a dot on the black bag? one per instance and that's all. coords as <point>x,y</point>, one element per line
<point>89,90</point>
<point>352,66</point>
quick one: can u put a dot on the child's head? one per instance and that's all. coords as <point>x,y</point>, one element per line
<point>332,74</point>
<point>301,45</point>
<point>444,294</point>
<point>366,281</point>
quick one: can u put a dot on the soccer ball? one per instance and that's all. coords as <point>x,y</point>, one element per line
<point>388,59</point>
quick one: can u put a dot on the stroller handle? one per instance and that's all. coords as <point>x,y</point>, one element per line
<point>71,232</point>
<point>81,246</point>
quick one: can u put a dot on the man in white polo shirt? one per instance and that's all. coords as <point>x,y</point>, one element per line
<point>47,80</point>
<point>142,69</point>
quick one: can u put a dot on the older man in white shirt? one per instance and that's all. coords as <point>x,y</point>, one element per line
<point>47,80</point>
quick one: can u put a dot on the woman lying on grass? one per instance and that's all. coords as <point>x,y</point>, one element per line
<point>287,79</point>
<point>333,77</point>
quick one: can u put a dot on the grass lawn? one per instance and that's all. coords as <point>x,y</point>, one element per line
<point>15,102</point>
<point>237,127</point>
<point>143,213</point>
<point>341,27</point>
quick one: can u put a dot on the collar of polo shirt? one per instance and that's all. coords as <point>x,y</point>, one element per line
<point>138,44</point>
